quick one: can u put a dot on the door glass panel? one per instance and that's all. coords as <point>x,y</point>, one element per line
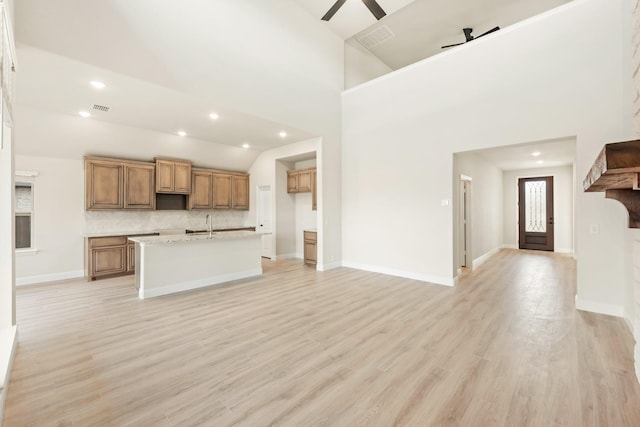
<point>536,206</point>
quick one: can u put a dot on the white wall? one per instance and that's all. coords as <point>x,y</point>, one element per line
<point>486,199</point>
<point>360,65</point>
<point>269,170</point>
<point>306,217</point>
<point>58,219</point>
<point>514,86</point>
<point>563,187</point>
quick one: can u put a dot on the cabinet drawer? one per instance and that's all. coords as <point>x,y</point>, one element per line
<point>100,242</point>
<point>310,236</point>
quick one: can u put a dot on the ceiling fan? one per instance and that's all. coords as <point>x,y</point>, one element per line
<point>372,5</point>
<point>469,37</point>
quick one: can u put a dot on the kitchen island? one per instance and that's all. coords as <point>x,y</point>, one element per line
<point>181,262</point>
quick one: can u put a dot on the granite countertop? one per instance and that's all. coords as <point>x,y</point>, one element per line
<point>175,238</point>
<point>312,230</point>
<point>154,232</point>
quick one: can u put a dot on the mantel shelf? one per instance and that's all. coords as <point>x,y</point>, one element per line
<point>615,172</point>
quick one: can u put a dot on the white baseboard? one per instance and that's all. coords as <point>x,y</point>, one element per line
<point>285,256</point>
<point>482,258</point>
<point>329,266</point>
<point>196,284</point>
<point>509,246</point>
<point>599,307</point>
<point>438,280</point>
<point>8,345</point>
<point>563,251</point>
<point>43,278</point>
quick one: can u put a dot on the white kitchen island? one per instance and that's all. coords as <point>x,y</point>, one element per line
<point>181,262</point>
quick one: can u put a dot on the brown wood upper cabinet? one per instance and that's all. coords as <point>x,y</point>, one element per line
<point>219,190</point>
<point>119,184</point>
<point>173,176</point>
<point>299,180</point>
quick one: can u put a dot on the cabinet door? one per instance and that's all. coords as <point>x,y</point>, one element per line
<point>201,196</point>
<point>139,190</point>
<point>131,257</point>
<point>164,176</point>
<point>109,260</point>
<point>292,181</point>
<point>304,181</point>
<point>182,177</point>
<point>221,191</point>
<point>240,192</point>
<point>310,252</point>
<point>314,190</point>
<point>103,185</point>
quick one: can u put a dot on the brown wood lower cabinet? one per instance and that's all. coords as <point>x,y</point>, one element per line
<point>109,256</point>
<point>310,247</point>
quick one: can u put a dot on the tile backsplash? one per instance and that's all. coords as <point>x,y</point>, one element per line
<point>126,222</point>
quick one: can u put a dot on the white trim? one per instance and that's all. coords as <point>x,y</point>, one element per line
<point>12,43</point>
<point>483,258</point>
<point>437,280</point>
<point>196,284</point>
<point>43,278</point>
<point>27,174</point>
<point>563,251</point>
<point>23,252</point>
<point>286,256</point>
<point>329,266</point>
<point>465,178</point>
<point>599,307</point>
<point>509,246</point>
<point>7,354</point>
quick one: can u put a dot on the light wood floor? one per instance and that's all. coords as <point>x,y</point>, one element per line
<point>340,348</point>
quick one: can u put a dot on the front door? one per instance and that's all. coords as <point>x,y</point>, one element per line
<point>535,202</point>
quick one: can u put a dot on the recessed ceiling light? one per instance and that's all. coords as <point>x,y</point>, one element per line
<point>536,153</point>
<point>283,134</point>
<point>97,85</point>
<point>214,116</point>
<point>245,145</point>
<point>540,162</point>
<point>84,114</point>
<point>182,133</point>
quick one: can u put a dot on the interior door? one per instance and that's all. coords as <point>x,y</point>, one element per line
<point>535,206</point>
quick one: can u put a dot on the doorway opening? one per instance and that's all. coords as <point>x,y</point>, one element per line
<point>265,221</point>
<point>535,213</point>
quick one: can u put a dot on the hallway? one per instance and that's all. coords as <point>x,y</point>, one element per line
<point>339,348</point>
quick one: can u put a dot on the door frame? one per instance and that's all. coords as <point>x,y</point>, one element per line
<point>517,210</point>
<point>465,253</point>
<point>259,216</point>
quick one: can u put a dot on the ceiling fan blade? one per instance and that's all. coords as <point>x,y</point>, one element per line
<point>493,30</point>
<point>336,6</point>
<point>375,8</point>
<point>452,45</point>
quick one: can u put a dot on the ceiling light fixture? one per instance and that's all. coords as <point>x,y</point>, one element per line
<point>84,114</point>
<point>283,134</point>
<point>97,85</point>
<point>536,153</point>
<point>182,133</point>
<point>245,145</point>
<point>540,162</point>
<point>214,116</point>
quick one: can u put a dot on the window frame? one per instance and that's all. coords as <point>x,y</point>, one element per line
<point>27,177</point>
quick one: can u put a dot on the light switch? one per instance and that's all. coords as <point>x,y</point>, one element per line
<point>444,202</point>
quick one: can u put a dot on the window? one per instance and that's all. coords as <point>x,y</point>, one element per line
<point>24,215</point>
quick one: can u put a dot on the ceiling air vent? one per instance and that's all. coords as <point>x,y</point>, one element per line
<point>376,36</point>
<point>102,108</point>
